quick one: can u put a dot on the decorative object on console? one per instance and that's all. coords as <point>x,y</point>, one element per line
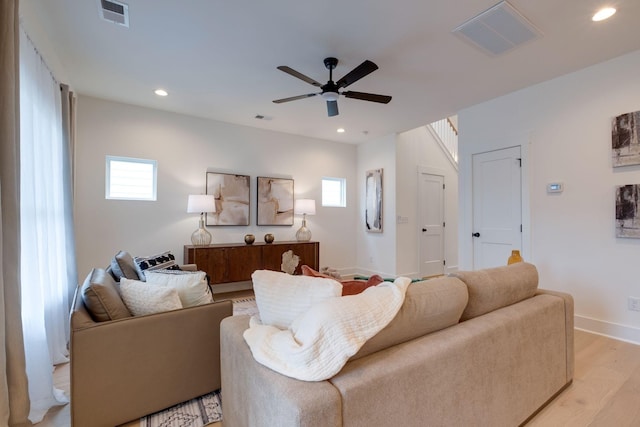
<point>232,199</point>
<point>627,208</point>
<point>373,201</point>
<point>289,262</point>
<point>249,239</point>
<point>275,201</point>
<point>304,207</point>
<point>625,141</point>
<point>269,238</point>
<point>515,257</point>
<point>201,203</point>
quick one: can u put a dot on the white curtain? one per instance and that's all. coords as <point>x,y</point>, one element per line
<point>46,223</point>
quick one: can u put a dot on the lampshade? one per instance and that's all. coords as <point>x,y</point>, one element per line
<point>199,203</point>
<point>305,206</point>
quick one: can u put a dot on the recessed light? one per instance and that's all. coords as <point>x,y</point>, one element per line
<point>161,92</point>
<point>604,13</point>
<point>340,130</point>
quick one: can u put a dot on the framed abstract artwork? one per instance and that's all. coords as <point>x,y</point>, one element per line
<point>275,201</point>
<point>625,139</point>
<point>232,198</point>
<point>628,211</point>
<point>373,201</point>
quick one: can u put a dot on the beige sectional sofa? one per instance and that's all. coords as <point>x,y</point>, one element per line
<point>484,348</point>
<point>125,367</point>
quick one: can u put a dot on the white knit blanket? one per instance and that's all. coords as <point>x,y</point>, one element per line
<point>321,340</point>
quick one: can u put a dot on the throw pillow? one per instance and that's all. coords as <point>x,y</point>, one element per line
<point>101,297</point>
<point>142,298</point>
<point>281,297</point>
<point>122,265</point>
<point>349,287</point>
<point>165,260</point>
<point>192,286</point>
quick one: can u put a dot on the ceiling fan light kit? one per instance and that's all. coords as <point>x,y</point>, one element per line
<point>331,90</point>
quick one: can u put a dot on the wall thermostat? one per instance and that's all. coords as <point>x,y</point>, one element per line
<point>555,187</point>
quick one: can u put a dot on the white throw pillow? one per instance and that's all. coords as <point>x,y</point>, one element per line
<point>192,286</point>
<point>142,298</point>
<point>282,297</point>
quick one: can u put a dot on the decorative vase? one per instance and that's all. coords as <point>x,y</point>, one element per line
<point>268,238</point>
<point>249,239</point>
<point>515,257</point>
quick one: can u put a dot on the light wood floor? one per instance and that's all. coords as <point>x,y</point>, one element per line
<point>605,390</point>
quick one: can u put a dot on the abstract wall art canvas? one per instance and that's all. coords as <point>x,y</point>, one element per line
<point>625,142</point>
<point>232,198</point>
<point>275,201</point>
<point>373,201</point>
<point>628,211</point>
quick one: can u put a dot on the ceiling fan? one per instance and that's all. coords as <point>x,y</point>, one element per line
<point>330,90</point>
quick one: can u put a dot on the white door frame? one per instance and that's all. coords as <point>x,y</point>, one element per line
<point>440,172</point>
<point>465,242</point>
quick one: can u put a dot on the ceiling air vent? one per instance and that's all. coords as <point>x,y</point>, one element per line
<point>114,11</point>
<point>498,29</point>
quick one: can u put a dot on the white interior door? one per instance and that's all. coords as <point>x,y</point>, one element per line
<point>431,205</point>
<point>497,206</point>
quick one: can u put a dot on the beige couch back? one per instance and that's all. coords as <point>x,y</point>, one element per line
<point>428,306</point>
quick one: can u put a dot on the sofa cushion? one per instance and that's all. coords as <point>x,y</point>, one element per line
<point>192,286</point>
<point>281,297</point>
<point>349,287</point>
<point>498,287</point>
<point>165,260</point>
<point>429,306</point>
<point>101,297</point>
<point>122,265</point>
<point>142,298</point>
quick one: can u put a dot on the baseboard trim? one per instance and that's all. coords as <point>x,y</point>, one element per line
<point>608,329</point>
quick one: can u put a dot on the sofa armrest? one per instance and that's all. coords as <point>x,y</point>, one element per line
<point>256,396</point>
<point>569,325</point>
<point>124,369</point>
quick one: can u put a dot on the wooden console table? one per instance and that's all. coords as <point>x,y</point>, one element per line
<point>235,262</point>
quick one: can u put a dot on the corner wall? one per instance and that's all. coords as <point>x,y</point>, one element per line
<point>565,124</point>
<point>418,150</point>
<point>186,148</point>
<point>377,251</point>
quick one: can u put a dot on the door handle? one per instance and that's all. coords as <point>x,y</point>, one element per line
<point>424,229</point>
<point>476,234</point>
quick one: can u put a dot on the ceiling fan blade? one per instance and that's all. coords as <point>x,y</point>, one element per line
<point>367,67</point>
<point>299,75</point>
<point>383,99</point>
<point>293,98</point>
<point>332,108</point>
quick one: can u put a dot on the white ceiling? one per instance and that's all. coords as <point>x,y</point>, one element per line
<point>217,59</point>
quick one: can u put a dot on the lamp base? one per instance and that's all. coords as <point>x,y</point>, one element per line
<point>303,234</point>
<point>201,237</point>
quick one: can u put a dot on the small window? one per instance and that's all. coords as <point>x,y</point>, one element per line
<point>131,179</point>
<point>334,192</point>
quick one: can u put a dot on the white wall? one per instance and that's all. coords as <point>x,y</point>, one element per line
<point>565,125</point>
<point>417,150</point>
<point>185,148</point>
<point>377,251</point>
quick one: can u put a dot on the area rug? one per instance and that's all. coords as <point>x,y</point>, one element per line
<point>196,412</point>
<point>246,305</point>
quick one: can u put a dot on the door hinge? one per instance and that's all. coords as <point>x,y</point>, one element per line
<point>443,186</point>
<point>521,228</point>
<point>444,224</point>
<point>444,262</point>
<point>519,161</point>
